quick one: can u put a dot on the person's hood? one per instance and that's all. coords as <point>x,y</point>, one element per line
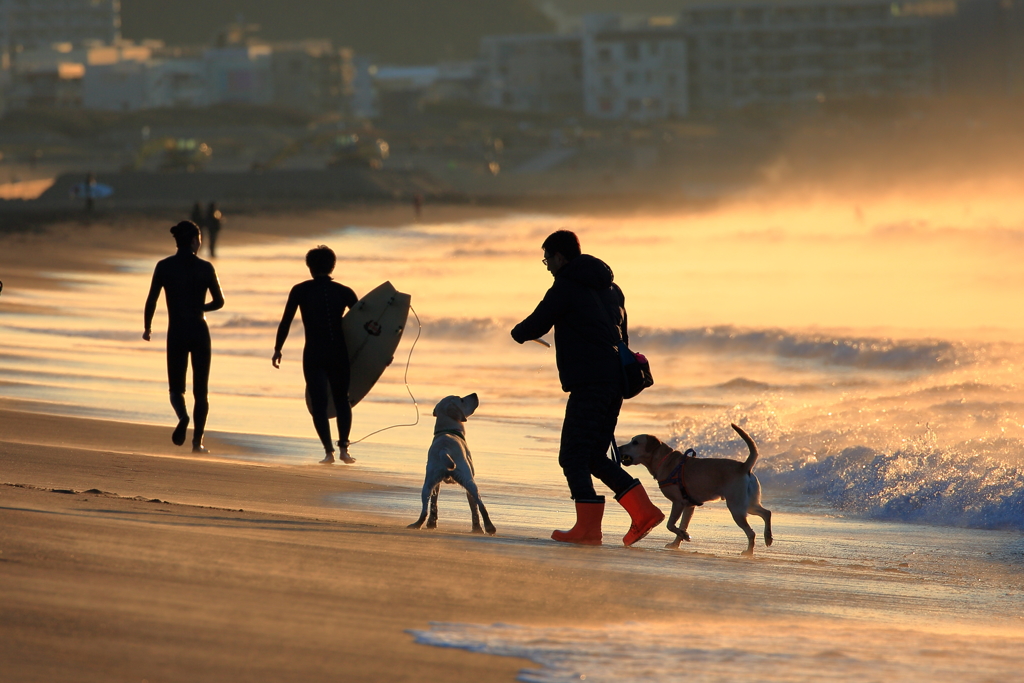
<point>589,271</point>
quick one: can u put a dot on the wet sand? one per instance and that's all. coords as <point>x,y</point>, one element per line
<point>120,562</point>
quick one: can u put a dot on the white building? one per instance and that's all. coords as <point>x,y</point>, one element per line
<point>638,73</point>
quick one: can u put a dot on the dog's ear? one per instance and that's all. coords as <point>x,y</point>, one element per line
<point>652,443</point>
<point>454,411</point>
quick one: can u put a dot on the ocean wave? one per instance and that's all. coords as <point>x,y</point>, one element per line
<point>244,322</point>
<point>867,353</point>
<point>462,328</point>
<point>875,472</point>
<point>936,487</point>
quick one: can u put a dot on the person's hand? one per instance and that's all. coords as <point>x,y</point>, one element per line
<point>276,360</point>
<point>147,335</point>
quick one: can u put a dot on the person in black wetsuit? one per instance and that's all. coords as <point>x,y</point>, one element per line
<point>325,367</point>
<point>186,279</point>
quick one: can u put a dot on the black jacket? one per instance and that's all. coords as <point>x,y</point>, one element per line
<point>585,341</point>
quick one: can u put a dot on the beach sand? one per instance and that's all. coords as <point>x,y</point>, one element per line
<point>120,565</point>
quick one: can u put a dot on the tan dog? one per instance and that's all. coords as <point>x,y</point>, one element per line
<point>690,481</point>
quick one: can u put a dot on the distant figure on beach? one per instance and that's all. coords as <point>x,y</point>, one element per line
<point>417,205</point>
<point>325,367</point>
<point>197,215</point>
<point>185,279</point>
<point>90,191</point>
<point>212,222</point>
<point>583,305</point>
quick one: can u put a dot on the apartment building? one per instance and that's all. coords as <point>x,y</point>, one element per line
<point>772,53</point>
<point>539,73</point>
<point>637,73</point>
<point>26,24</point>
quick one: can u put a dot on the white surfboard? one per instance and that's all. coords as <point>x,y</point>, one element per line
<point>373,328</point>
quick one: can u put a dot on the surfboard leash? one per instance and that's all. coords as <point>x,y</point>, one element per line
<point>408,362</point>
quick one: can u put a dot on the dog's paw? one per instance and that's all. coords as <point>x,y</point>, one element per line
<point>431,525</point>
<point>674,545</point>
<point>415,525</point>
<point>477,530</point>
<point>491,530</point>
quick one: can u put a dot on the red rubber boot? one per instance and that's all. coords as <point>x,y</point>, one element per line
<point>587,531</point>
<point>644,513</point>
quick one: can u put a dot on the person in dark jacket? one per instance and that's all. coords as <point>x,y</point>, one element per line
<point>186,279</point>
<point>325,366</point>
<point>587,310</point>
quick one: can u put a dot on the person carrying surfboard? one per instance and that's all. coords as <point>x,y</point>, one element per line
<point>582,305</point>
<point>186,279</point>
<point>325,365</point>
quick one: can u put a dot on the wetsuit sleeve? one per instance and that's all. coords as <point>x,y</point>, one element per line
<point>551,309</point>
<point>154,294</point>
<point>286,319</point>
<point>215,292</point>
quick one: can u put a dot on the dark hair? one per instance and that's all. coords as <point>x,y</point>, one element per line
<point>184,232</point>
<point>321,260</point>
<point>563,242</point>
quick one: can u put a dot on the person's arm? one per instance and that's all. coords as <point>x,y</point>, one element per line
<point>218,296</point>
<point>551,308</point>
<point>154,294</point>
<point>285,326</point>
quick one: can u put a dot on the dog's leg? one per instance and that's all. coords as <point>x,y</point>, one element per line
<point>474,494</point>
<point>755,508</point>
<point>679,507</point>
<point>432,519</point>
<point>739,515</point>
<point>477,529</point>
<point>765,514</point>
<point>425,494</point>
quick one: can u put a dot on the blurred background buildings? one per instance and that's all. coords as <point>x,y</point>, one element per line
<point>700,60</point>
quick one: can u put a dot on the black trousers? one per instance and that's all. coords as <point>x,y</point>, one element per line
<point>591,414</point>
<point>183,343</point>
<point>328,374</point>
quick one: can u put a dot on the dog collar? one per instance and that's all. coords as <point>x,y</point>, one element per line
<point>453,432</point>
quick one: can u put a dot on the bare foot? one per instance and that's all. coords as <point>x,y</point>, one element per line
<point>346,458</point>
<point>328,459</point>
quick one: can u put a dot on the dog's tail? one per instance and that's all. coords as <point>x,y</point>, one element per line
<point>451,467</point>
<point>752,458</point>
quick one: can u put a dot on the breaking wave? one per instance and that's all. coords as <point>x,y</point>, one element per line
<point>868,353</point>
<point>883,473</point>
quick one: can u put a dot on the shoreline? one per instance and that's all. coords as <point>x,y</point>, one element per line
<point>123,566</point>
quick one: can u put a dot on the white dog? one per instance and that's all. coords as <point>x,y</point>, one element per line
<point>449,460</point>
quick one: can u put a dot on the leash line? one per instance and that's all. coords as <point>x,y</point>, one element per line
<point>419,329</point>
